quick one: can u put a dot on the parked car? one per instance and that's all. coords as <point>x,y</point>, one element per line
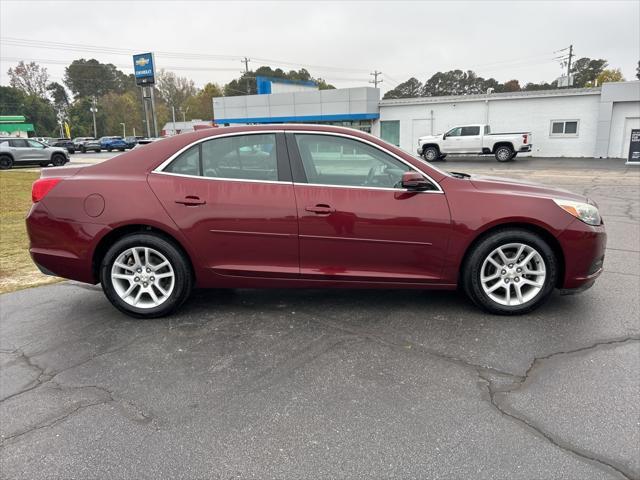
<point>78,142</point>
<point>105,143</point>
<point>132,141</point>
<point>474,139</point>
<point>306,206</point>
<point>27,151</point>
<point>65,143</point>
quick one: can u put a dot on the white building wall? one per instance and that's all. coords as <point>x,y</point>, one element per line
<point>504,115</point>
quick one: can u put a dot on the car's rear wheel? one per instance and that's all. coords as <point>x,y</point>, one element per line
<point>510,272</point>
<point>504,153</point>
<point>98,150</point>
<point>58,160</point>
<point>6,162</point>
<point>430,154</point>
<point>83,150</point>
<point>145,276</point>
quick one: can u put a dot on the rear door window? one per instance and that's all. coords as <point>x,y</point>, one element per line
<point>470,131</point>
<point>19,143</point>
<point>242,157</point>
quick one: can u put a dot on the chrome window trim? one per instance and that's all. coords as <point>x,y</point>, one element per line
<point>160,168</point>
<point>163,165</point>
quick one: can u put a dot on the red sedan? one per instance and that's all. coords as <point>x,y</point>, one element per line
<point>305,206</point>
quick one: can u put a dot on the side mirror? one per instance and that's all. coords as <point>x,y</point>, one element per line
<point>444,136</point>
<point>414,181</point>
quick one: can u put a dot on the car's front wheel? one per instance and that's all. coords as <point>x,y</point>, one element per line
<point>145,275</point>
<point>430,154</point>
<point>510,272</point>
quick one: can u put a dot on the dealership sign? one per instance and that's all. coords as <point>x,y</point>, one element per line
<point>144,69</point>
<point>634,147</point>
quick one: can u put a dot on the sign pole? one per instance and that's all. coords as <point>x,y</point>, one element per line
<point>144,72</point>
<point>153,113</point>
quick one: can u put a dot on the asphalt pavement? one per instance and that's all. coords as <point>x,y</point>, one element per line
<point>335,383</point>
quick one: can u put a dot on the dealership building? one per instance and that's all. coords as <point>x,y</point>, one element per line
<point>572,122</point>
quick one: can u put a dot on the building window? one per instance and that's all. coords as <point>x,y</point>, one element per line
<point>564,128</point>
<point>390,131</point>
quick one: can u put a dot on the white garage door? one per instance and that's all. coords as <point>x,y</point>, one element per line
<point>629,124</point>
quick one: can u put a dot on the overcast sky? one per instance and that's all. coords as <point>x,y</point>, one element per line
<point>337,40</point>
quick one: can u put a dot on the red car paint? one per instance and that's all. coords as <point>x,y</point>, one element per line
<point>286,234</point>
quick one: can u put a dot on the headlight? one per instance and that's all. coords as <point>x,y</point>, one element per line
<point>582,211</point>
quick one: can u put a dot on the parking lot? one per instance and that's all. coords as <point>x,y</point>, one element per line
<point>336,383</point>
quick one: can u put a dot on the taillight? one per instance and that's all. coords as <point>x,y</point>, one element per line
<point>525,138</point>
<point>41,187</point>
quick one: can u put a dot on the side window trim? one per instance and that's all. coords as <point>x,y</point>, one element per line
<point>299,176</point>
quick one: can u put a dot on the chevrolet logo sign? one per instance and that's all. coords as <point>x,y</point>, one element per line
<point>141,62</point>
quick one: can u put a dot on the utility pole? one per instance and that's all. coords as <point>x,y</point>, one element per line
<point>375,80</point>
<point>569,66</point>
<point>246,70</point>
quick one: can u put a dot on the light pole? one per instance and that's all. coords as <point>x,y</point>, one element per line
<point>124,129</point>
<point>93,111</point>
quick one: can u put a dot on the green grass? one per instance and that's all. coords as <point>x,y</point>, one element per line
<point>17,270</point>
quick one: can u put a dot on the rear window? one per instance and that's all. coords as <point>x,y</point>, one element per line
<point>470,131</point>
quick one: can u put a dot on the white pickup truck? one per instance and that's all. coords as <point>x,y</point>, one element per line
<point>474,139</point>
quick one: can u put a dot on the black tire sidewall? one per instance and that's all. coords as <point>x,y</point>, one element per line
<point>437,154</point>
<point>181,268</point>
<point>58,160</point>
<point>510,154</point>
<point>473,265</point>
<point>6,162</point>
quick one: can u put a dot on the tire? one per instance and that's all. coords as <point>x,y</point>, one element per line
<point>504,153</point>
<point>6,162</point>
<point>109,149</point>
<point>478,271</point>
<point>98,150</point>
<point>121,149</point>
<point>72,151</point>
<point>58,160</point>
<point>430,154</point>
<point>44,164</point>
<point>83,150</point>
<point>443,156</point>
<point>177,287</point>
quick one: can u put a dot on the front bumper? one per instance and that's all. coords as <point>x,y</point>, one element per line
<point>584,249</point>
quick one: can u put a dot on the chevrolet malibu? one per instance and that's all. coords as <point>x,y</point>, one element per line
<point>305,206</point>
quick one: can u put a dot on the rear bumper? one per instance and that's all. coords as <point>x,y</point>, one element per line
<point>584,248</point>
<point>525,148</point>
<point>62,248</point>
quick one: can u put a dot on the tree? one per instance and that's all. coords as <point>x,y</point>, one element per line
<point>37,110</point>
<point>174,90</point>
<point>586,70</point>
<point>511,86</point>
<point>87,78</point>
<point>540,86</point>
<point>31,78</point>
<point>201,105</point>
<point>457,82</point>
<point>60,98</point>
<point>410,88</point>
<point>120,108</point>
<point>607,75</point>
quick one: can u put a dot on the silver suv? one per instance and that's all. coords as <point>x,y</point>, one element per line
<point>27,151</point>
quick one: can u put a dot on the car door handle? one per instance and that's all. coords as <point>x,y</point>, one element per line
<point>320,209</point>
<point>191,201</point>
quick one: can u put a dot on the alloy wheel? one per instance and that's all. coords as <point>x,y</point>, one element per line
<point>513,274</point>
<point>143,277</point>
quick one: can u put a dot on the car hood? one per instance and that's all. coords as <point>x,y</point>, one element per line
<point>429,137</point>
<point>522,187</point>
